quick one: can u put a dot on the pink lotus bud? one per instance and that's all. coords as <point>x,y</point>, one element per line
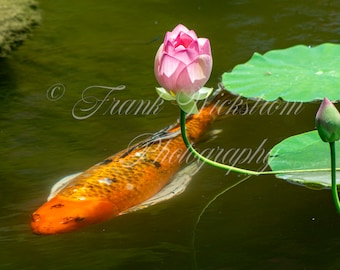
<point>183,62</point>
<point>327,121</point>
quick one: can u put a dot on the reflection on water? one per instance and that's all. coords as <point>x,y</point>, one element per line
<point>263,223</point>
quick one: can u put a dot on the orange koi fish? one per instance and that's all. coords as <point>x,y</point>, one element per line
<point>123,180</point>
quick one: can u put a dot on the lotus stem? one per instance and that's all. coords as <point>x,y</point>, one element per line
<point>231,168</point>
<point>204,159</point>
<point>333,173</point>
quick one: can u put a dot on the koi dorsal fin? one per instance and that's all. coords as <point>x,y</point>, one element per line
<point>164,134</point>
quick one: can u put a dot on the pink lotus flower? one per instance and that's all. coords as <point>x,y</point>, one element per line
<point>183,62</point>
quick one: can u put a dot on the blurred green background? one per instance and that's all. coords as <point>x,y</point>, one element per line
<point>264,223</point>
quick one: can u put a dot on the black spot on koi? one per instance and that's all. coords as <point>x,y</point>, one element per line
<point>72,219</point>
<point>58,205</point>
<point>106,161</point>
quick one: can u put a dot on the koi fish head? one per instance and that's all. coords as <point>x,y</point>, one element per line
<point>60,215</point>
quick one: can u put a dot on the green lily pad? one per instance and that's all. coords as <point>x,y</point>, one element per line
<point>303,152</point>
<point>298,74</point>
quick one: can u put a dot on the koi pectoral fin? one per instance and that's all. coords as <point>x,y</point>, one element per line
<point>61,184</point>
<point>210,136</point>
<point>175,187</point>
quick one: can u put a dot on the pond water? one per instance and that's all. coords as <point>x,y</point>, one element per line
<point>263,223</point>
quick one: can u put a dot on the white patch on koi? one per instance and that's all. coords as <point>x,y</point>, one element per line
<point>105,181</point>
<point>129,187</point>
<point>138,154</point>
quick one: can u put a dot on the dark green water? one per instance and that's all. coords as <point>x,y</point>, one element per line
<point>264,223</point>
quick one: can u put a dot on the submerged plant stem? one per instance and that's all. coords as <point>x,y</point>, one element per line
<point>334,185</point>
<point>204,210</point>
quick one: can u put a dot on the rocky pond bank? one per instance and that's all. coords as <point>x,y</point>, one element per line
<point>17,19</point>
